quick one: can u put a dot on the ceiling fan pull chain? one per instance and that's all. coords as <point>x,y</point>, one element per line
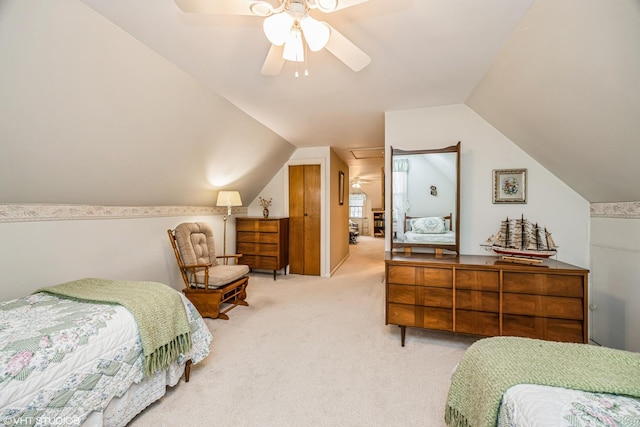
<point>306,58</point>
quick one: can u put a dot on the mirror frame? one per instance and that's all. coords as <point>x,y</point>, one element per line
<point>438,247</point>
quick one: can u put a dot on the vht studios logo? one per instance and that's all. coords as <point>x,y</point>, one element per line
<point>46,421</point>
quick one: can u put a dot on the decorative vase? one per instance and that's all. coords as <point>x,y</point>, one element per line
<point>265,213</point>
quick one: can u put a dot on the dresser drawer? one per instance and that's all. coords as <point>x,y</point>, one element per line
<point>478,301</point>
<point>484,295</point>
<point>543,284</point>
<point>543,328</point>
<point>422,317</point>
<point>420,295</point>
<point>270,249</point>
<point>434,277</point>
<point>257,237</point>
<point>543,306</point>
<point>257,225</point>
<point>477,323</point>
<point>259,261</point>
<point>478,280</point>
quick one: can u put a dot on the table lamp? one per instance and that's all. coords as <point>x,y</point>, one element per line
<point>228,199</point>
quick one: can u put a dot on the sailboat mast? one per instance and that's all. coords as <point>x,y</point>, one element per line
<point>523,239</point>
<point>506,239</point>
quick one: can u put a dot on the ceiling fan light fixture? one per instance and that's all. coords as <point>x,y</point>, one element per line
<point>293,48</point>
<point>327,6</point>
<point>316,33</point>
<point>277,27</point>
<point>261,8</point>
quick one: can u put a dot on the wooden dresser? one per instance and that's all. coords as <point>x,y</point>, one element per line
<point>483,295</point>
<point>263,243</point>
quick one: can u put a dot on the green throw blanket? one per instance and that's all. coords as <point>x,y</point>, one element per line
<point>491,365</point>
<point>158,309</point>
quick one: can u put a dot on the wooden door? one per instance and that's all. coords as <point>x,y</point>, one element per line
<point>304,219</point>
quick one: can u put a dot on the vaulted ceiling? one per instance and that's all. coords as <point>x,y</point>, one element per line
<point>561,79</point>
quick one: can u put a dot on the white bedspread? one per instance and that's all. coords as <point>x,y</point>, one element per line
<point>445,238</point>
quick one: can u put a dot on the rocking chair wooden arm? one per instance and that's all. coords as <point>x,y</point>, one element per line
<point>227,257</point>
<point>236,256</point>
<point>197,266</point>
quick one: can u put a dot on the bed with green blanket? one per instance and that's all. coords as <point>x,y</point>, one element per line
<point>94,352</point>
<point>511,381</point>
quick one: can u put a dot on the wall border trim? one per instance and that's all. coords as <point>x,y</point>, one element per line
<point>53,212</point>
<point>616,210</point>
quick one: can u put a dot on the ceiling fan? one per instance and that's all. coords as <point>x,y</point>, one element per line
<point>357,182</point>
<point>290,28</point>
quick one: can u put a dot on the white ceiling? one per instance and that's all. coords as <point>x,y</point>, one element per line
<point>423,53</point>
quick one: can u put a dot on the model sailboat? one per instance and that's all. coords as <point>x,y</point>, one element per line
<point>521,238</point>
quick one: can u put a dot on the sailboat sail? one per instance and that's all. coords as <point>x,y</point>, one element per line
<point>521,237</point>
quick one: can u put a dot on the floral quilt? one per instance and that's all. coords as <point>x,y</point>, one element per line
<point>535,405</point>
<point>62,359</point>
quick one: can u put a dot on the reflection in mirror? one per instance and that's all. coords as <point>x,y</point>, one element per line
<point>425,198</point>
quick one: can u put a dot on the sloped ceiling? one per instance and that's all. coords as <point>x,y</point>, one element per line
<point>89,115</point>
<point>566,89</point>
<point>559,78</point>
<point>424,53</point>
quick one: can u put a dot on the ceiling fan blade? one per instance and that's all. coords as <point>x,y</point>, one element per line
<point>343,4</point>
<point>225,7</point>
<point>346,51</point>
<point>274,61</point>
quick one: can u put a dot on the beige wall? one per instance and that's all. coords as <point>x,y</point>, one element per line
<point>550,202</point>
<point>339,229</point>
<point>615,269</point>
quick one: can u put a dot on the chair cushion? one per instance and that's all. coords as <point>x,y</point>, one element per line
<point>195,243</point>
<point>221,274</point>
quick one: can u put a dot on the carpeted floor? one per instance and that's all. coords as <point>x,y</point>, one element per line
<point>312,351</point>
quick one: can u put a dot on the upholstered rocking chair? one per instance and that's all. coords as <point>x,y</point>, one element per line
<point>208,283</point>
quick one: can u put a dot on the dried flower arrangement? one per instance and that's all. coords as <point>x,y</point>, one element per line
<point>265,203</point>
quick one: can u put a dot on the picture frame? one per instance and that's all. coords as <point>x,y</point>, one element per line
<point>341,187</point>
<point>510,186</point>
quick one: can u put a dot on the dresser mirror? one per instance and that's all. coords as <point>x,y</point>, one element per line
<point>425,199</point>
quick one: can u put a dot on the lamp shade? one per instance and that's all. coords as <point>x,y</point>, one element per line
<point>315,32</point>
<point>277,27</point>
<point>228,198</point>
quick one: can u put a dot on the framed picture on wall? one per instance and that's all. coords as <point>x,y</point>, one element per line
<point>510,186</point>
<point>341,187</point>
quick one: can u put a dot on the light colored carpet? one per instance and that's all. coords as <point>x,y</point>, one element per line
<point>313,351</point>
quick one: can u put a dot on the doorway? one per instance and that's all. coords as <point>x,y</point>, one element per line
<point>304,219</point>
